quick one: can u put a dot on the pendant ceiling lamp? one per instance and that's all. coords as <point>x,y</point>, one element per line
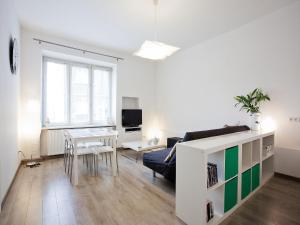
<point>155,50</point>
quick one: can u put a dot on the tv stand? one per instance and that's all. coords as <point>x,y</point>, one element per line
<point>130,129</point>
<point>128,134</point>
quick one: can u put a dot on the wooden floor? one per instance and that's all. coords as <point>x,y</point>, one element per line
<point>45,196</point>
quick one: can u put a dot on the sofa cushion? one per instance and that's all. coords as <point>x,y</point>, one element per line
<point>171,153</point>
<point>155,160</point>
<point>172,161</point>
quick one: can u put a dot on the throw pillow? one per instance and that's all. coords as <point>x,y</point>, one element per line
<point>171,153</point>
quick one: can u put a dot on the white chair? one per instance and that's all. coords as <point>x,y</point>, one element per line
<point>82,150</point>
<point>67,152</point>
<point>106,147</point>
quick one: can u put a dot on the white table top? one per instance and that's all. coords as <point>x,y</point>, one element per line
<point>141,145</point>
<point>208,145</point>
<point>90,133</point>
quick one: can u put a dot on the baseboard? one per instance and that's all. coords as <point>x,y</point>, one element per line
<point>287,177</point>
<point>42,158</point>
<point>47,157</point>
<point>11,184</point>
<point>24,161</point>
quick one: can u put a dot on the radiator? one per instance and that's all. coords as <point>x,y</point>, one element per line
<point>52,142</point>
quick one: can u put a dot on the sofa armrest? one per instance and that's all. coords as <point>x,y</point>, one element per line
<point>171,141</point>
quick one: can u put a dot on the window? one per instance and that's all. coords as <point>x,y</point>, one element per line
<point>76,93</point>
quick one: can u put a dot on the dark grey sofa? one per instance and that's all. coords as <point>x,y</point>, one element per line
<point>155,160</point>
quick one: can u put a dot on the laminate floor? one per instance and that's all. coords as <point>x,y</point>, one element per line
<point>44,195</point>
<point>276,203</point>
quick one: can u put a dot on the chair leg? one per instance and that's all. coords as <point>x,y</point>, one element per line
<point>91,164</point>
<point>110,159</point>
<point>117,162</point>
<point>65,160</point>
<point>106,158</point>
<point>65,156</point>
<point>71,174</point>
<point>87,161</point>
<point>69,162</point>
<point>97,164</point>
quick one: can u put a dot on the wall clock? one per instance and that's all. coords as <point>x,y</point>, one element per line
<point>13,55</point>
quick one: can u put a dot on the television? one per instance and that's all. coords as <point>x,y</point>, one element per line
<point>131,117</point>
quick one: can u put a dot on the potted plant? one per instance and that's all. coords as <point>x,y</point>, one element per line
<point>251,104</point>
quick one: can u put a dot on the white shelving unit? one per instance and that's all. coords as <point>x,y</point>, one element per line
<point>267,169</point>
<point>218,159</point>
<point>246,156</point>
<point>219,184</point>
<point>129,102</point>
<point>256,152</point>
<point>217,197</point>
<point>268,147</point>
<point>238,157</point>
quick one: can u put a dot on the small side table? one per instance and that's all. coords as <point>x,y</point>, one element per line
<point>141,146</point>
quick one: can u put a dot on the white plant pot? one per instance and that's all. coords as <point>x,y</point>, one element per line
<point>255,122</point>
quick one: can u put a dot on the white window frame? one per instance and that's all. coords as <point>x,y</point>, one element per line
<point>69,64</point>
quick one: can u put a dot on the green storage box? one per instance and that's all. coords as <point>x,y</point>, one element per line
<point>231,162</point>
<point>231,194</point>
<point>246,183</point>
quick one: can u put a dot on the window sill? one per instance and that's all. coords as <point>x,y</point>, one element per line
<point>77,127</point>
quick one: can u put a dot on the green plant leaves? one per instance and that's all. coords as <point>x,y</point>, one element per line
<point>252,101</point>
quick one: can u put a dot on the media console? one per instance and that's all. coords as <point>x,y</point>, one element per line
<point>245,161</point>
<point>130,129</point>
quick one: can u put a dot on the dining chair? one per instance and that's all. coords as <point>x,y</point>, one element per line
<point>106,148</point>
<point>83,149</point>
<point>68,151</point>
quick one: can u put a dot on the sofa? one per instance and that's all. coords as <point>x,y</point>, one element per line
<point>156,160</point>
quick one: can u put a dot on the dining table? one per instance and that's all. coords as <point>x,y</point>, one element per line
<point>91,135</point>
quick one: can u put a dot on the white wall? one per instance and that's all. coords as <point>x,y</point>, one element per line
<point>135,78</point>
<point>196,86</point>
<point>9,92</point>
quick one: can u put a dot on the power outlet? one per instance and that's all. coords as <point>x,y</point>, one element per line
<point>294,119</point>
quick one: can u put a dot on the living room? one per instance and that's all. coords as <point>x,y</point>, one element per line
<point>99,123</point>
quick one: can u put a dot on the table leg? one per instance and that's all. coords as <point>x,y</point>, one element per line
<point>114,161</point>
<point>75,166</point>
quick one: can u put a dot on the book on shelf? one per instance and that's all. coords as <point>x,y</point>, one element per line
<point>212,174</point>
<point>209,210</point>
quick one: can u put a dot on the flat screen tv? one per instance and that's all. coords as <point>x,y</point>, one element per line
<point>131,117</point>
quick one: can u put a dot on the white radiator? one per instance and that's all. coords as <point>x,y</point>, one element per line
<point>52,142</point>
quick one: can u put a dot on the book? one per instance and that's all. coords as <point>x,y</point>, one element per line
<point>209,210</point>
<point>212,174</point>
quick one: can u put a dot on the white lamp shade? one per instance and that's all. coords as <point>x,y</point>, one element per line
<point>155,50</point>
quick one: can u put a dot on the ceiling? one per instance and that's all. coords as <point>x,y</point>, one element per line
<point>125,24</point>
